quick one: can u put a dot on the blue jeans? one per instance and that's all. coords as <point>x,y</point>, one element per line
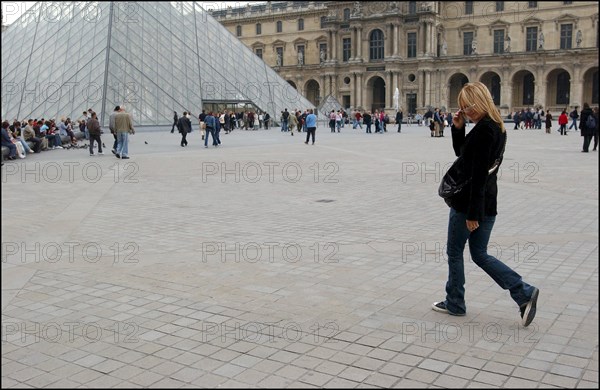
<point>211,131</point>
<point>122,145</point>
<point>284,125</point>
<point>504,276</point>
<point>573,124</point>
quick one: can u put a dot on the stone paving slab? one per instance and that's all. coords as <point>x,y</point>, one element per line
<point>266,262</point>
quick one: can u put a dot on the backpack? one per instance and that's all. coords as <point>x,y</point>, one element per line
<point>573,114</point>
<point>590,122</point>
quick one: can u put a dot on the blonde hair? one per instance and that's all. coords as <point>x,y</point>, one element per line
<point>478,95</point>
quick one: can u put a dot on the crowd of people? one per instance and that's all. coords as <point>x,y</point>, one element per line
<point>37,135</point>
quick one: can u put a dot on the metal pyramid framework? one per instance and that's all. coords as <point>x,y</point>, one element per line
<point>61,58</point>
<point>328,104</point>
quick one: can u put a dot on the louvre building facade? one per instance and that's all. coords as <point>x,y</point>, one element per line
<point>61,58</point>
<point>528,53</point>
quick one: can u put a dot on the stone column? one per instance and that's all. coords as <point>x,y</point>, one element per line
<point>329,45</point>
<point>354,91</point>
<point>335,47</point>
<point>395,44</point>
<point>389,44</point>
<point>354,45</point>
<point>389,95</point>
<point>359,54</point>
<point>421,92</point>
<point>359,87</point>
<point>506,93</point>
<point>428,89</point>
<point>323,86</point>
<point>576,93</point>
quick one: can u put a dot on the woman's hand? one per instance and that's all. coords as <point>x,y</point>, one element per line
<point>472,225</point>
<point>458,119</point>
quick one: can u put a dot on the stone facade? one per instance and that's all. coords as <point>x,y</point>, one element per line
<point>528,53</point>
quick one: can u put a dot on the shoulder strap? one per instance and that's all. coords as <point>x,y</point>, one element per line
<point>498,160</point>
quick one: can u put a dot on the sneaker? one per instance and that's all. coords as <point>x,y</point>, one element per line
<point>101,153</point>
<point>114,151</point>
<point>117,154</point>
<point>528,309</point>
<point>59,147</point>
<point>91,154</point>
<point>441,307</point>
<point>125,158</point>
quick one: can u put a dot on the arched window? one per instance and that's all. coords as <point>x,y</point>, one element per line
<point>300,24</point>
<point>376,45</point>
<point>528,89</point>
<point>563,88</point>
<point>495,90</point>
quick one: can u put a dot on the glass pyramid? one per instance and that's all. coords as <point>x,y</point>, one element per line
<point>328,104</point>
<point>61,58</point>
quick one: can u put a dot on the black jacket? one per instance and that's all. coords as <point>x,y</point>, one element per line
<point>583,122</point>
<point>479,150</point>
<point>184,124</point>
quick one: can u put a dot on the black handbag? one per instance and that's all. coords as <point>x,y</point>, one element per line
<point>455,180</point>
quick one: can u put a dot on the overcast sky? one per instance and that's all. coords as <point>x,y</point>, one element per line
<point>11,10</point>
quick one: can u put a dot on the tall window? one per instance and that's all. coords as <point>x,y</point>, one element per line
<point>467,42</point>
<point>323,21</point>
<point>279,26</point>
<point>411,103</point>
<point>238,31</point>
<point>280,54</point>
<point>346,49</point>
<point>563,88</point>
<point>258,53</point>
<point>468,7</point>
<point>411,45</point>
<point>499,6</point>
<point>528,89</point>
<point>498,41</point>
<point>532,4</point>
<point>531,39</point>
<point>412,7</point>
<point>258,29</point>
<point>300,24</point>
<point>566,36</point>
<point>376,45</point>
<point>346,14</point>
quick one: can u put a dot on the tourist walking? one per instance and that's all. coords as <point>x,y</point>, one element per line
<point>473,210</point>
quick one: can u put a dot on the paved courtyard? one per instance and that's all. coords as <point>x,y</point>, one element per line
<point>270,263</point>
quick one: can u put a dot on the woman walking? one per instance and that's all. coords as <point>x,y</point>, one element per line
<point>473,209</point>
